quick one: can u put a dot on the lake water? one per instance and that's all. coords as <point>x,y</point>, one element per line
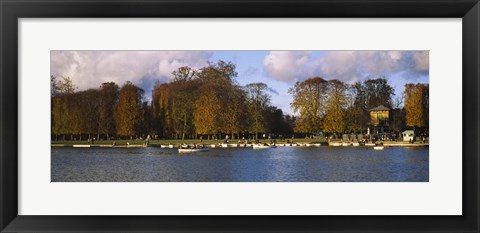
<point>282,164</point>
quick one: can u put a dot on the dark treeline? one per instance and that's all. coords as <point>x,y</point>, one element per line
<point>209,103</point>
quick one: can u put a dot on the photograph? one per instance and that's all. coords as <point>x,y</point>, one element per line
<point>239,115</point>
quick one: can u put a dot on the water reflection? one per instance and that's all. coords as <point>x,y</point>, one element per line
<point>282,164</point>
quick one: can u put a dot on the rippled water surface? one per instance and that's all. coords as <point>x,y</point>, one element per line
<point>285,164</point>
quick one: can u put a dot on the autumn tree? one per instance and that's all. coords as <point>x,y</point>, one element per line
<point>60,115</point>
<point>416,105</point>
<point>357,112</point>
<point>162,110</point>
<point>218,71</point>
<point>207,110</point>
<point>234,109</point>
<point>76,119</point>
<point>108,98</point>
<point>258,100</point>
<point>89,105</point>
<point>335,112</point>
<point>218,87</point>
<point>61,91</point>
<point>128,112</point>
<point>309,99</point>
<point>183,94</point>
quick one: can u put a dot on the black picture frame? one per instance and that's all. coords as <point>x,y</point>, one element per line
<point>11,11</point>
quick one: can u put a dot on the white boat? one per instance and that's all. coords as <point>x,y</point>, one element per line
<point>224,145</point>
<point>170,146</point>
<point>189,150</point>
<point>335,144</point>
<point>163,146</point>
<point>355,144</point>
<point>313,144</point>
<point>233,145</point>
<point>378,146</point>
<point>262,146</point>
<point>86,146</point>
<point>346,144</point>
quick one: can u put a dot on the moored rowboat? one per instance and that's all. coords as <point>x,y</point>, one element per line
<point>335,144</point>
<point>262,146</point>
<point>378,146</point>
<point>188,150</point>
<point>313,144</point>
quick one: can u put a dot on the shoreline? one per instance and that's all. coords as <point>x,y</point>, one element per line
<point>243,145</point>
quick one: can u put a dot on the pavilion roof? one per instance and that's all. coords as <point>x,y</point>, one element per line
<point>380,108</point>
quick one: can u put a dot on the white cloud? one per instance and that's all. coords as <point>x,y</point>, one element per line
<point>88,69</point>
<point>348,66</point>
<point>421,60</point>
<point>286,65</point>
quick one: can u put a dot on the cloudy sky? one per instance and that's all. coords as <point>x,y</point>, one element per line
<point>279,69</point>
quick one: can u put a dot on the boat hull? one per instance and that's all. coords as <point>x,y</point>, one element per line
<point>185,150</point>
<point>263,146</point>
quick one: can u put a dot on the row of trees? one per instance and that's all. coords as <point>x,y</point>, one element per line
<point>108,110</point>
<point>208,102</point>
<point>336,107</point>
<point>196,103</point>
